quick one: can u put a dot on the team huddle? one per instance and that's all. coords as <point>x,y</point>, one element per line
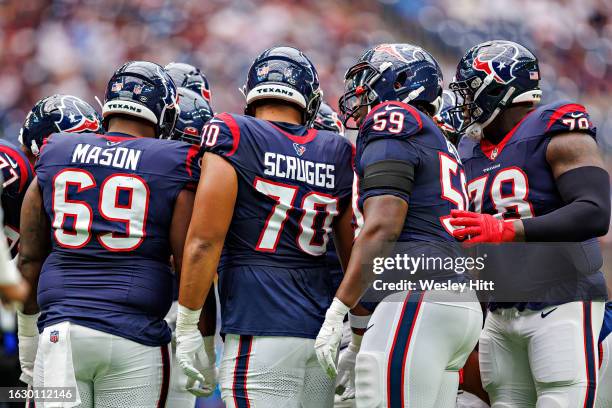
<point>130,227</point>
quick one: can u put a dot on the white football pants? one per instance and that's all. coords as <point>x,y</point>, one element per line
<point>546,358</point>
<point>273,372</point>
<point>412,352</point>
<point>109,371</point>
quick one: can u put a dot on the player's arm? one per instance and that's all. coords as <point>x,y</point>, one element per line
<point>210,221</point>
<point>584,186</point>
<point>212,215</point>
<point>33,250</point>
<point>35,242</point>
<point>384,218</point>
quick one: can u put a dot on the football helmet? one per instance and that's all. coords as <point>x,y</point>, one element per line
<point>145,90</point>
<point>190,77</point>
<point>448,119</point>
<point>284,73</point>
<point>57,113</point>
<point>490,77</point>
<point>327,119</point>
<point>195,112</point>
<point>391,72</point>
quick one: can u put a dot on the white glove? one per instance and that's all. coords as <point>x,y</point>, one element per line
<point>191,353</point>
<point>345,384</point>
<point>27,333</point>
<point>205,359</point>
<point>328,339</point>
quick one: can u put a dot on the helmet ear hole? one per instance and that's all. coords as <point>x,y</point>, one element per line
<point>401,79</point>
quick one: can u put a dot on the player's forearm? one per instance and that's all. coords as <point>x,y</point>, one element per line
<point>200,261</point>
<point>31,271</point>
<point>586,190</point>
<point>371,243</point>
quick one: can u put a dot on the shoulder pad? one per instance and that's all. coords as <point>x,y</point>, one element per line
<point>221,135</point>
<point>566,117</point>
<point>392,119</point>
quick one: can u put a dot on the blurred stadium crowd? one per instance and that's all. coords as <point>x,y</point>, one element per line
<point>73,46</point>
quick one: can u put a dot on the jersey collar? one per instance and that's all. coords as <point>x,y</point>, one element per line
<point>118,136</point>
<point>492,150</point>
<point>308,137</point>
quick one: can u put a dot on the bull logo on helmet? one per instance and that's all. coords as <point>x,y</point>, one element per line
<point>402,53</point>
<point>499,61</point>
<point>74,117</point>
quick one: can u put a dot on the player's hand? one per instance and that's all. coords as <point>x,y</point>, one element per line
<point>27,333</point>
<point>189,345</point>
<point>345,384</point>
<point>481,227</point>
<point>204,363</point>
<point>329,337</point>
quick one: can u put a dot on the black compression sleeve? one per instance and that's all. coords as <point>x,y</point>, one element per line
<point>393,175</point>
<point>586,213</point>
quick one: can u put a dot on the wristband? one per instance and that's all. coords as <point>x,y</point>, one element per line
<point>359,322</point>
<point>187,319</point>
<point>26,324</point>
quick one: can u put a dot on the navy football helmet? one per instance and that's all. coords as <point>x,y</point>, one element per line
<point>145,90</point>
<point>327,119</point>
<point>190,77</point>
<point>284,73</point>
<point>490,77</point>
<point>195,112</point>
<point>391,72</point>
<point>57,113</point>
<point>448,119</point>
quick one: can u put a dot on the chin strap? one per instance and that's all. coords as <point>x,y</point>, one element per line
<point>474,131</point>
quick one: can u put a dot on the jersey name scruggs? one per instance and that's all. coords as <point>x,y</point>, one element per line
<point>295,168</point>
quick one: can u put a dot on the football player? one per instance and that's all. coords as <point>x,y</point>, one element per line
<point>195,112</point>
<point>534,174</point>
<point>271,192</point>
<point>190,77</point>
<point>100,221</point>
<point>410,179</point>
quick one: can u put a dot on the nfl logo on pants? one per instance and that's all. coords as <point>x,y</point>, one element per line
<point>54,336</point>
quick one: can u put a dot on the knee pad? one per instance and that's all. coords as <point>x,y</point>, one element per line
<point>555,355</point>
<point>370,380</point>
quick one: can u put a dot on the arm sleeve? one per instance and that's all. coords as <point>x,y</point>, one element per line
<point>586,192</point>
<point>398,150</point>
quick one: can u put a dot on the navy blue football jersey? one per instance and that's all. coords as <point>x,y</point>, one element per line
<point>110,200</point>
<point>512,179</point>
<point>17,174</point>
<point>397,131</point>
<point>292,183</point>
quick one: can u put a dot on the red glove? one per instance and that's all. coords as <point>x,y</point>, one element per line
<point>481,227</point>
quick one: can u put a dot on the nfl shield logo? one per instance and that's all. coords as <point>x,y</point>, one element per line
<point>137,89</point>
<point>299,149</point>
<point>54,336</point>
